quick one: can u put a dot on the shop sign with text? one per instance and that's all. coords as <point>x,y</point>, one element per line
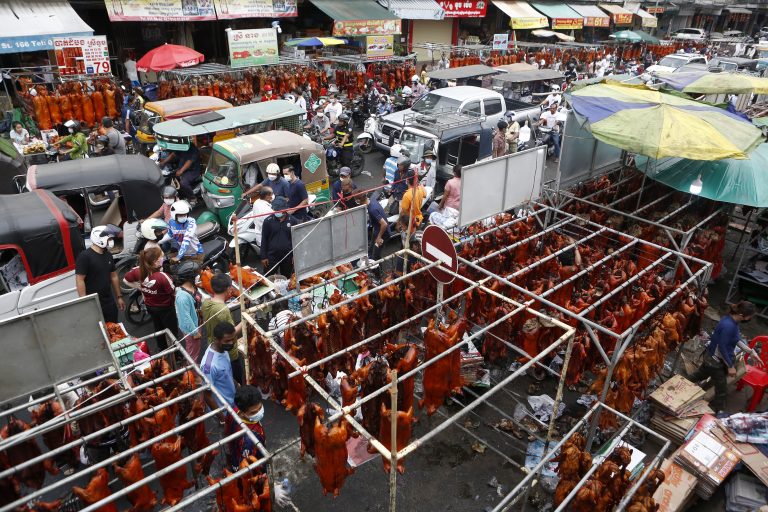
<point>567,23</point>
<point>233,9</point>
<point>500,41</point>
<point>160,10</point>
<point>602,21</point>
<point>379,47</point>
<point>466,9</point>
<point>254,47</point>
<point>622,18</point>
<point>366,27</point>
<point>82,55</point>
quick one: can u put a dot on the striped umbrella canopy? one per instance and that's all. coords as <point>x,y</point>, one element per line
<point>658,124</point>
<point>707,82</point>
<point>730,180</point>
<point>316,41</point>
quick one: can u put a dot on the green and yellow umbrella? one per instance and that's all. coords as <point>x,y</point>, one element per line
<point>658,125</point>
<point>706,82</point>
<point>731,181</point>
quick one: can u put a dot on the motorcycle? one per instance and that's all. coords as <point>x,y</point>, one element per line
<point>333,158</point>
<point>360,114</point>
<point>169,172</point>
<point>365,139</point>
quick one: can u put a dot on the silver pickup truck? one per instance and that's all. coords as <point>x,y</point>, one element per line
<point>465,99</point>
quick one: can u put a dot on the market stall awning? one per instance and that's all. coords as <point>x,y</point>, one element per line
<point>619,15</point>
<point>414,9</point>
<point>31,25</point>
<point>521,14</point>
<point>646,19</point>
<point>475,70</point>
<point>562,16</point>
<point>359,17</point>
<point>737,10</point>
<point>542,32</point>
<point>593,16</point>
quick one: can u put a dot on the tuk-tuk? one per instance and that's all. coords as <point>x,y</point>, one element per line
<point>476,75</point>
<point>158,111</point>
<point>211,127</point>
<point>130,185</point>
<point>455,138</point>
<point>12,164</point>
<point>234,160</point>
<point>39,243</point>
<point>525,89</point>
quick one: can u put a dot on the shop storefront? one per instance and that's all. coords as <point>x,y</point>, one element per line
<point>596,22</point>
<point>359,18</point>
<point>643,19</point>
<point>620,17</point>
<point>735,18</point>
<point>422,23</point>
<point>683,18</point>
<point>24,31</point>
<point>561,16</point>
<point>521,15</point>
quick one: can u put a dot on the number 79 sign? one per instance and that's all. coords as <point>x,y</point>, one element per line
<point>82,55</point>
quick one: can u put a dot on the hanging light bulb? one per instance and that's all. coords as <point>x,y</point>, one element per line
<point>697,186</point>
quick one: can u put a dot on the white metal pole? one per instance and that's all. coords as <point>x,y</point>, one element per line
<point>393,444</point>
<point>241,298</point>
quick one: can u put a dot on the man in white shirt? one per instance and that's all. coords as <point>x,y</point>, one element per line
<point>553,97</point>
<point>254,222</point>
<point>549,119</point>
<point>131,71</point>
<point>334,109</point>
<point>300,101</point>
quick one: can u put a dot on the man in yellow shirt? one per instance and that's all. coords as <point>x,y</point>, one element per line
<point>410,204</point>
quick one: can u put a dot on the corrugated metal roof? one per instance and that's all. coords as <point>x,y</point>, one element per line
<point>556,10</point>
<point>414,9</point>
<point>352,10</point>
<point>39,17</point>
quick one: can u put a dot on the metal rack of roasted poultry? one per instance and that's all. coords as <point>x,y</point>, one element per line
<point>147,447</point>
<point>593,481</point>
<point>626,201</point>
<point>631,302</point>
<point>416,342</point>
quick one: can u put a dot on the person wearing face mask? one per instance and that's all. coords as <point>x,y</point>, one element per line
<point>250,410</point>
<point>720,358</point>
<point>345,177</point>
<point>276,240</point>
<point>95,272</point>
<point>333,109</point>
<point>183,231</point>
<point>430,166</point>
<point>78,139</point>
<point>170,196</point>
<point>214,311</point>
<point>274,180</point>
<point>298,198</point>
<point>216,367</point>
<point>158,291</point>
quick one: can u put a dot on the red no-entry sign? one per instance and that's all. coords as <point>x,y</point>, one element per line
<point>436,245</point>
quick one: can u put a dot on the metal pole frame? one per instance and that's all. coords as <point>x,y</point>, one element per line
<point>530,480</point>
<point>348,411</point>
<point>202,385</point>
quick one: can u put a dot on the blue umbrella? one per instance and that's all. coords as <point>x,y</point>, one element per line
<point>316,41</point>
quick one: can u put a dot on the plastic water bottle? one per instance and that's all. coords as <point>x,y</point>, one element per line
<point>286,486</point>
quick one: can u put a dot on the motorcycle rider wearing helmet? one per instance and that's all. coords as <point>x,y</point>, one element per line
<point>549,119</point>
<point>102,146</point>
<point>116,140</point>
<point>553,97</point>
<point>183,230</point>
<point>95,272</point>
<point>154,231</point>
<point>399,185</point>
<point>77,138</point>
<point>275,181</point>
<point>385,106</point>
<point>418,88</point>
<point>372,95</point>
<point>268,96</point>
<point>170,196</point>
<point>188,302</point>
<point>344,139</point>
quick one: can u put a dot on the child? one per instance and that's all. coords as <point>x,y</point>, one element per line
<point>250,410</point>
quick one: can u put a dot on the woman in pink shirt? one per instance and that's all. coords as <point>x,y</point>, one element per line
<point>447,214</point>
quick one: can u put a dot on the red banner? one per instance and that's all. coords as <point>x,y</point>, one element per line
<point>567,23</point>
<point>602,21</point>
<point>654,10</point>
<point>622,19</point>
<point>466,9</point>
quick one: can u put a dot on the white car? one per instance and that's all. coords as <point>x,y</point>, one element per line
<point>672,62</point>
<point>690,34</point>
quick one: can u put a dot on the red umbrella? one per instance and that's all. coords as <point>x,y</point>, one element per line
<point>169,56</point>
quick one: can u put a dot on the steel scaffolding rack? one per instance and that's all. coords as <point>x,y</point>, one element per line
<point>534,476</point>
<point>695,274</point>
<point>678,238</point>
<point>564,340</point>
<point>180,364</point>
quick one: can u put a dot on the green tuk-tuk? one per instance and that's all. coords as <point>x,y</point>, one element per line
<point>237,164</point>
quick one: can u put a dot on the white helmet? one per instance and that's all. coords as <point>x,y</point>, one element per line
<point>395,150</point>
<point>542,63</point>
<point>180,208</point>
<point>291,98</point>
<point>273,168</point>
<point>407,91</point>
<point>150,228</point>
<point>555,88</point>
<point>101,236</point>
<point>333,89</point>
<point>415,78</point>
